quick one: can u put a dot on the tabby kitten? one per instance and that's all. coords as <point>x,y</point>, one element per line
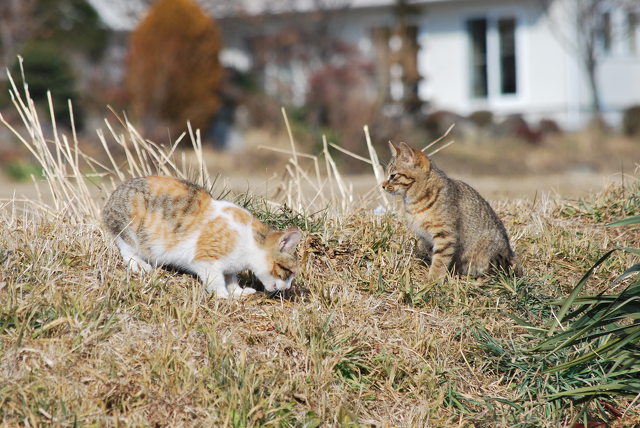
<point>172,222</point>
<point>457,227</point>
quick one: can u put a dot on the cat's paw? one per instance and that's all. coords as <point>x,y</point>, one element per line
<point>220,293</point>
<point>138,266</point>
<point>243,292</point>
<point>436,276</point>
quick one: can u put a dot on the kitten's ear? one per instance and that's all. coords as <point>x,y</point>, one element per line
<point>414,156</point>
<point>289,240</point>
<point>406,152</point>
<point>394,149</point>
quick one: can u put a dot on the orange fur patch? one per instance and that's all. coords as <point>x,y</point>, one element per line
<point>260,231</point>
<point>172,230</point>
<point>167,186</point>
<point>156,228</point>
<point>216,240</point>
<point>239,215</point>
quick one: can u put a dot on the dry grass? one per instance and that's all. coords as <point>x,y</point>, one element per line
<point>361,339</point>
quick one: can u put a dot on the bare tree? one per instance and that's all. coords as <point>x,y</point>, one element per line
<point>585,28</point>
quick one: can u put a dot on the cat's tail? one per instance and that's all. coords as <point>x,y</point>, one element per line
<point>514,264</point>
<point>509,263</point>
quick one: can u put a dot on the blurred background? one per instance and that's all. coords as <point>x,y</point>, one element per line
<point>544,94</point>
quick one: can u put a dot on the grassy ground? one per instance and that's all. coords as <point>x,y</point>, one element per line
<point>362,338</point>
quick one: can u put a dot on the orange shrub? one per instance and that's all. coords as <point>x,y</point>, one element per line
<point>173,68</point>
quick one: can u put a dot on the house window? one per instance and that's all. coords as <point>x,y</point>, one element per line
<point>493,57</point>
<point>507,37</point>
<point>477,29</point>
<point>632,28</point>
<point>605,32</point>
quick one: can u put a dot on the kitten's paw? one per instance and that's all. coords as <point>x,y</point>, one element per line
<point>138,266</point>
<point>437,277</point>
<point>243,292</point>
<point>220,293</point>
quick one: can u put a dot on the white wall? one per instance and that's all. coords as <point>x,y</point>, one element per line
<point>618,74</point>
<point>541,62</point>
<point>551,81</point>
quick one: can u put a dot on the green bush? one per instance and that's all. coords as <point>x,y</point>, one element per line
<point>47,70</point>
<point>22,170</point>
<point>72,25</point>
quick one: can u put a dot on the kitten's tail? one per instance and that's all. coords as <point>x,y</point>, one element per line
<point>509,263</point>
<point>514,264</point>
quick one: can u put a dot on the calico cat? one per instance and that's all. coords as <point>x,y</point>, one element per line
<point>457,227</point>
<point>172,222</point>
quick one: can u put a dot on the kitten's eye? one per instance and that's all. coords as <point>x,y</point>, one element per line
<point>392,177</point>
<point>285,273</point>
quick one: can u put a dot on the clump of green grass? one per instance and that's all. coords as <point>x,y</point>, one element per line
<point>620,202</point>
<point>586,353</point>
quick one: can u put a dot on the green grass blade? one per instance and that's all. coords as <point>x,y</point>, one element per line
<point>626,221</point>
<point>591,336</point>
<point>633,269</point>
<point>574,293</point>
<point>621,387</point>
<point>610,346</point>
<point>592,320</point>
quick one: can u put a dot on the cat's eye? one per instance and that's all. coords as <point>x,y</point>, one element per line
<point>392,177</point>
<point>286,272</point>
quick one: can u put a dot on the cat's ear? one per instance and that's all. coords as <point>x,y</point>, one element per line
<point>289,240</point>
<point>394,149</point>
<point>414,156</point>
<point>406,152</point>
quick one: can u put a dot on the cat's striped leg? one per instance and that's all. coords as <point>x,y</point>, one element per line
<point>424,249</point>
<point>134,262</point>
<point>234,288</point>
<point>444,248</point>
<point>483,259</point>
<point>473,261</point>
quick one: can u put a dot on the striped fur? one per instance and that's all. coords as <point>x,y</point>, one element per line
<point>172,222</point>
<point>458,228</point>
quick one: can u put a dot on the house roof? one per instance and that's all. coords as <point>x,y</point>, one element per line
<point>123,15</point>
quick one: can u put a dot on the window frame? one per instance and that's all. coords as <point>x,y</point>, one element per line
<point>495,97</point>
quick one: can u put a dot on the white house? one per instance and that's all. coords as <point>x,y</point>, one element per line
<point>506,56</point>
